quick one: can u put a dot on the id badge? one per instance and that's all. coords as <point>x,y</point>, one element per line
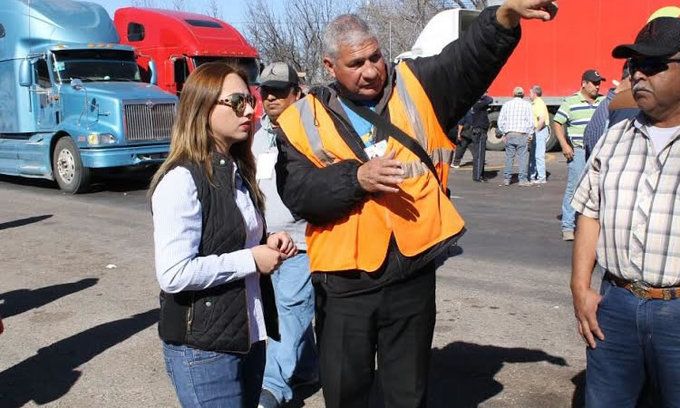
<point>265,165</point>
<point>376,150</point>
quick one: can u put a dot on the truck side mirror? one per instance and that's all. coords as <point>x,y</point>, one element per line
<point>77,84</point>
<point>25,71</point>
<point>154,72</point>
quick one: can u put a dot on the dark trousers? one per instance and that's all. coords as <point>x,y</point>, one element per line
<point>395,322</point>
<point>478,149</point>
<point>461,147</point>
<point>477,146</point>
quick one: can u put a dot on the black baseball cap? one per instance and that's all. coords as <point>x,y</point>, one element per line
<point>279,75</point>
<point>592,75</point>
<point>659,38</point>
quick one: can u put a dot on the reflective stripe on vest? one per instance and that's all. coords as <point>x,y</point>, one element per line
<point>418,216</point>
<point>307,116</point>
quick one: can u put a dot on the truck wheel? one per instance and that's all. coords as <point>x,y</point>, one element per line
<point>67,167</point>
<point>494,140</point>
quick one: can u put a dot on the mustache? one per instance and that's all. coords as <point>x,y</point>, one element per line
<point>640,87</point>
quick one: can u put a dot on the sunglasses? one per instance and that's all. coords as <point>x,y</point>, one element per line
<point>238,102</point>
<point>279,93</point>
<point>650,66</point>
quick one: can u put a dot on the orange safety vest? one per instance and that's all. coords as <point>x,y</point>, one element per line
<point>419,216</point>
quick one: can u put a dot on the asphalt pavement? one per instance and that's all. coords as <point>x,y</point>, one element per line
<point>79,298</point>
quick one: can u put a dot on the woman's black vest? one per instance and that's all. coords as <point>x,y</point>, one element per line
<point>216,319</point>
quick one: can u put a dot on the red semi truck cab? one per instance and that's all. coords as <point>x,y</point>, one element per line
<point>171,44</point>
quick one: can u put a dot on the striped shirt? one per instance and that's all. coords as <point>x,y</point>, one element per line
<point>516,116</point>
<point>634,193</point>
<point>575,113</point>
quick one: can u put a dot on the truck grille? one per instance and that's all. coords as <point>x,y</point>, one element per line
<point>148,121</point>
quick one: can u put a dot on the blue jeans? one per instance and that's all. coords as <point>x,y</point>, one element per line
<point>211,379</point>
<point>516,145</point>
<point>642,342</point>
<point>537,157</point>
<point>575,168</point>
<point>295,355</point>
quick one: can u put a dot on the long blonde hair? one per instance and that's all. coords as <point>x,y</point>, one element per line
<point>192,140</point>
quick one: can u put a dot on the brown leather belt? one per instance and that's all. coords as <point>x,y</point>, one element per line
<point>643,290</point>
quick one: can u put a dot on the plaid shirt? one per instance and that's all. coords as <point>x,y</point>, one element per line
<point>516,116</point>
<point>633,191</point>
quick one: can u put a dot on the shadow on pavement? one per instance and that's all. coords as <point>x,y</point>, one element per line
<point>123,180</point>
<point>24,221</point>
<point>116,179</point>
<point>462,374</point>
<point>579,399</point>
<point>22,300</point>
<point>31,182</point>
<point>50,374</point>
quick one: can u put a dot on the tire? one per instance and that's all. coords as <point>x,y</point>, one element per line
<point>494,140</point>
<point>68,169</point>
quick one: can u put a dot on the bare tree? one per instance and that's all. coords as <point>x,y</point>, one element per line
<point>293,35</point>
<point>399,22</point>
<point>178,5</point>
<point>214,9</point>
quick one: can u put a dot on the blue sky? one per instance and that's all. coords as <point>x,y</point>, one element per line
<point>233,11</point>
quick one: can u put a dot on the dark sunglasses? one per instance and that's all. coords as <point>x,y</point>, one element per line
<point>650,66</point>
<point>238,102</point>
<point>279,93</point>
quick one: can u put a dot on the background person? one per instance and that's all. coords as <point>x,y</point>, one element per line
<point>541,134</point>
<point>212,257</point>
<point>628,201</point>
<point>569,123</point>
<point>516,123</point>
<point>292,360</point>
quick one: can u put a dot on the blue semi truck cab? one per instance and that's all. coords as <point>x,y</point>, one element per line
<point>71,98</point>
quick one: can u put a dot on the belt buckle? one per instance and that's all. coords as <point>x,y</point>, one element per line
<point>640,289</point>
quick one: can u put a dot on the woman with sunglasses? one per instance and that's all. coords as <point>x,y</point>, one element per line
<point>213,259</point>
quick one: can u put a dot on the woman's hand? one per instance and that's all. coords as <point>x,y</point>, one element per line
<point>266,258</point>
<point>283,243</point>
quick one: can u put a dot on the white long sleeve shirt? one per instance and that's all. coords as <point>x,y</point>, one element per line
<point>177,222</point>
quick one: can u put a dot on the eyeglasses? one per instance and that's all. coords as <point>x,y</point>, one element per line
<point>649,66</point>
<point>238,102</point>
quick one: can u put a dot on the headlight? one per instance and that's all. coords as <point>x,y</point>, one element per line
<point>96,139</point>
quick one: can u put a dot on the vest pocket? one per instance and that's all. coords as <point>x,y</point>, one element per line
<point>202,314</point>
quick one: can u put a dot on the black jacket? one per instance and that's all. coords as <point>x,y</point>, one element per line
<point>216,319</point>
<point>453,80</point>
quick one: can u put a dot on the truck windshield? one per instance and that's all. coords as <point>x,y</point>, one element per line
<point>95,65</point>
<point>249,65</point>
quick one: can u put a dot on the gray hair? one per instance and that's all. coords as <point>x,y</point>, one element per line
<point>537,90</point>
<point>345,29</point>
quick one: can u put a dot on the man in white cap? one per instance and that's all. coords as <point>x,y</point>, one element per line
<point>516,123</point>
<point>293,360</point>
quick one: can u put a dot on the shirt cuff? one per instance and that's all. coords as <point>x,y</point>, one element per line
<point>244,263</point>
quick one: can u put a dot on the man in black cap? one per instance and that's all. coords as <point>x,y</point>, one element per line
<point>293,360</point>
<point>569,124</point>
<point>629,201</point>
